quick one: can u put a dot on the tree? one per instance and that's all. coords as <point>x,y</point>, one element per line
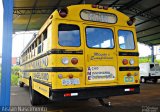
<point>15,70</point>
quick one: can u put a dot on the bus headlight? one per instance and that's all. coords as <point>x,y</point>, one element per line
<point>131,61</point>
<point>65,60</point>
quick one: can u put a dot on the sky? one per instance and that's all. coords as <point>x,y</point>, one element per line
<point>20,40</point>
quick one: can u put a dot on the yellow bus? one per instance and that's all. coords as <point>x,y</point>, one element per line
<point>82,52</point>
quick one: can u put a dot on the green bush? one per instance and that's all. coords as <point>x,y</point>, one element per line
<point>15,69</point>
<point>14,75</point>
<point>147,59</point>
<point>14,80</point>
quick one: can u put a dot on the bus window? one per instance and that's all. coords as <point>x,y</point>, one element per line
<point>126,40</point>
<point>69,35</point>
<point>39,45</point>
<point>99,37</point>
<point>45,34</point>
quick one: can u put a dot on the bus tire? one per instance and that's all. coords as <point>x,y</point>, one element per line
<point>21,84</point>
<point>33,95</point>
<point>143,80</point>
<point>155,80</point>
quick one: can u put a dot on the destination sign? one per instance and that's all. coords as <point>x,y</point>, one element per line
<point>98,16</point>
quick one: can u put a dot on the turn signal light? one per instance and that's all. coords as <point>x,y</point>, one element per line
<point>63,12</point>
<point>125,61</point>
<point>74,61</point>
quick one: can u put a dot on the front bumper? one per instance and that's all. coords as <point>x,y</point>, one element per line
<point>94,92</point>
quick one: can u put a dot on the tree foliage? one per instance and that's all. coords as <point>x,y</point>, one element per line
<point>147,59</point>
<point>15,69</point>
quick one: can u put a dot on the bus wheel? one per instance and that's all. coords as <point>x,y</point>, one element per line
<point>104,103</point>
<point>155,80</point>
<point>21,84</point>
<point>143,80</point>
<point>33,95</point>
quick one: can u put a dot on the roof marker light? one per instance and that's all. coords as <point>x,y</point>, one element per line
<point>131,21</point>
<point>63,12</point>
<point>105,7</point>
<point>94,6</point>
<point>100,7</point>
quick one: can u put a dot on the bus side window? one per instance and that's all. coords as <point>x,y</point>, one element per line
<point>39,45</point>
<point>45,34</point>
<point>44,40</point>
<point>35,47</point>
<point>32,52</point>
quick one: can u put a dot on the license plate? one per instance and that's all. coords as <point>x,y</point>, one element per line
<point>73,81</point>
<point>129,79</point>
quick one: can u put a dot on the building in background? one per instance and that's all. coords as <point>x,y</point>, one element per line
<point>14,61</point>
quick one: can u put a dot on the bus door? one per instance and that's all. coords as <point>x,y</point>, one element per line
<point>100,55</point>
<point>128,64</point>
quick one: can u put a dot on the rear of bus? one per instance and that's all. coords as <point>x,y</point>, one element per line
<point>96,53</point>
